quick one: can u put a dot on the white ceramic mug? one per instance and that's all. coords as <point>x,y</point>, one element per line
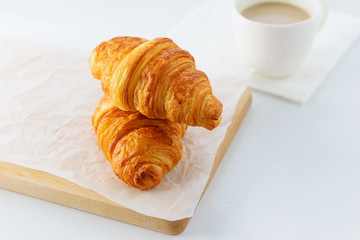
<point>275,50</point>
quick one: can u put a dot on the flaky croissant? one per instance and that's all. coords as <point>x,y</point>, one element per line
<point>140,150</point>
<point>156,78</point>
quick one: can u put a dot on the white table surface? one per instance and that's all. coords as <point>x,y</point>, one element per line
<point>292,172</point>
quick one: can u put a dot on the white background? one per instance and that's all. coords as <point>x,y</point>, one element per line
<point>292,172</point>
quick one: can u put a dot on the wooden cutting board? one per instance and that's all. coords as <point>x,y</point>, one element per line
<point>46,186</point>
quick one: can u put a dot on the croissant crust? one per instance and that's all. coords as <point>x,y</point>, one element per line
<point>156,78</point>
<point>140,150</point>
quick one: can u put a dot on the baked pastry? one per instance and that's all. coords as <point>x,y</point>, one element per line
<point>156,78</point>
<point>140,150</point>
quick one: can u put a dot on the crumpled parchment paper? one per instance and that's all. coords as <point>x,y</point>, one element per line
<point>47,97</point>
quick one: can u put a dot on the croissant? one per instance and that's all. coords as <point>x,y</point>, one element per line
<point>140,150</point>
<point>156,78</point>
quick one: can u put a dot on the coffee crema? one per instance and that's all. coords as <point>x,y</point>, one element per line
<point>276,13</point>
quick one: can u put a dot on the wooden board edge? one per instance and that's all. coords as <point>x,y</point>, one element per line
<point>42,185</point>
<point>242,108</point>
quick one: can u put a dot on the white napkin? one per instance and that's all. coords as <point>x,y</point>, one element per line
<point>208,30</point>
<point>47,98</point>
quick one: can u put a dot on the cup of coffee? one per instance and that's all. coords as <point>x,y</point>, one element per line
<point>275,37</point>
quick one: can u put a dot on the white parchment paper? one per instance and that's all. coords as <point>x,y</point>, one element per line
<point>47,97</point>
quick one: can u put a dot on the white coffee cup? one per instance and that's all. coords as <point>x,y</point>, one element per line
<point>276,50</point>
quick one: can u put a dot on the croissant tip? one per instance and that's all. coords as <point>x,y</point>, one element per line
<point>148,177</point>
<point>213,112</point>
<point>212,124</point>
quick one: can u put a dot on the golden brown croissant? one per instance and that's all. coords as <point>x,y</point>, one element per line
<point>140,150</point>
<point>156,78</point>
